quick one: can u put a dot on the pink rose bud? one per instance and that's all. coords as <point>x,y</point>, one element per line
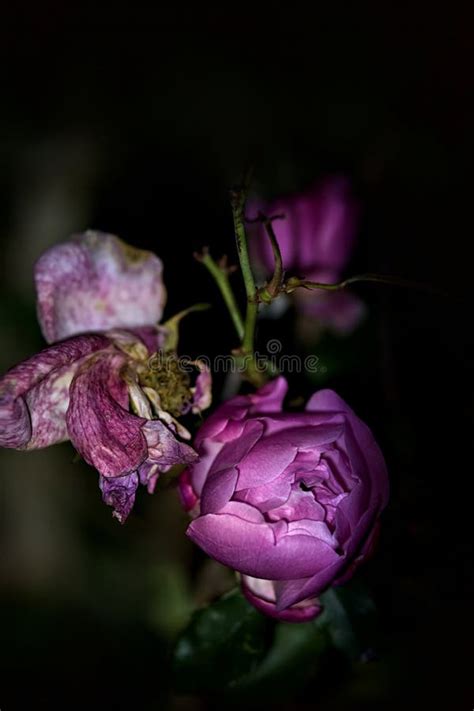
<point>289,500</point>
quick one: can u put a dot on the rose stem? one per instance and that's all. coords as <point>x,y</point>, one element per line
<point>238,197</point>
<point>294,282</point>
<point>221,278</point>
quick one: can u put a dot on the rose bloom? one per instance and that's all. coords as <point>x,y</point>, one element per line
<point>316,238</point>
<point>99,303</point>
<point>289,500</point>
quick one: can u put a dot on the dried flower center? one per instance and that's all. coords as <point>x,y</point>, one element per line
<point>166,376</point>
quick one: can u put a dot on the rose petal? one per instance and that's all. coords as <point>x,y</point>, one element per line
<point>280,421</point>
<point>269,496</point>
<point>273,454</point>
<point>237,452</point>
<point>34,395</point>
<point>298,505</point>
<point>154,337</point>
<point>202,395</point>
<point>261,594</point>
<point>366,458</point>
<point>251,549</point>
<point>108,436</point>
<point>96,282</point>
<point>119,493</point>
<point>199,470</point>
<point>244,511</point>
<point>187,495</point>
<point>267,399</point>
<point>218,490</point>
<point>164,448</point>
<point>209,455</point>
<point>291,592</point>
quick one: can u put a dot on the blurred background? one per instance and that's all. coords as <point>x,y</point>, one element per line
<point>137,122</point>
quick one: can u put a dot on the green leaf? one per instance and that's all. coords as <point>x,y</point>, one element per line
<point>349,615</point>
<point>172,325</point>
<point>223,643</point>
<point>294,658</point>
<point>231,647</point>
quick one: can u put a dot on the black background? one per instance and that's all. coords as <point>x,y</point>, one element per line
<point>175,102</point>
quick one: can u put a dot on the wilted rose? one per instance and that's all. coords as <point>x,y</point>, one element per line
<point>102,387</point>
<point>289,500</point>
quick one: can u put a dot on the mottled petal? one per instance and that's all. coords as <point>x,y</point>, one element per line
<point>164,448</point>
<point>103,431</point>
<point>96,282</point>
<point>202,391</point>
<point>154,337</point>
<point>47,405</point>
<point>15,423</point>
<point>164,451</point>
<point>149,474</point>
<point>34,395</point>
<point>119,492</point>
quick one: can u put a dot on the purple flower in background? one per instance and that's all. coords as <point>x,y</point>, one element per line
<point>107,386</point>
<point>316,239</point>
<point>289,500</point>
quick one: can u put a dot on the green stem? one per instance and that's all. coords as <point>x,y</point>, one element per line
<point>293,283</point>
<point>274,286</point>
<point>238,197</point>
<point>222,280</point>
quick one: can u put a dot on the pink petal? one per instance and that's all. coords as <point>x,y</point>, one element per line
<point>202,396</point>
<point>34,395</point>
<point>267,399</point>
<point>218,490</point>
<point>119,493</point>
<point>261,594</point>
<point>108,436</point>
<point>96,282</point>
<point>273,454</point>
<point>251,548</point>
<point>164,448</point>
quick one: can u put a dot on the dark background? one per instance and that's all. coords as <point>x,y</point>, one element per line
<point>137,122</point>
